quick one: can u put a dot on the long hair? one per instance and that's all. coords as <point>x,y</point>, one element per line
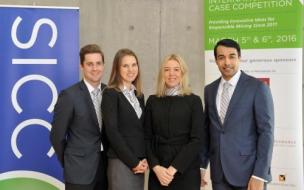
<point>184,83</point>
<point>115,78</point>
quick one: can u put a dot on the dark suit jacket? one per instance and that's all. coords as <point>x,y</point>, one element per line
<point>243,145</point>
<point>75,134</point>
<point>123,128</point>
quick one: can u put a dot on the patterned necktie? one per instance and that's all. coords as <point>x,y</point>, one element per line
<point>224,101</point>
<point>96,97</point>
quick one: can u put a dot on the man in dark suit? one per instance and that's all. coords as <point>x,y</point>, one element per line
<point>240,122</point>
<point>77,135</point>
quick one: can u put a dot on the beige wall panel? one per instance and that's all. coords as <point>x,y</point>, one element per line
<point>152,28</point>
<point>119,24</point>
<point>182,32</point>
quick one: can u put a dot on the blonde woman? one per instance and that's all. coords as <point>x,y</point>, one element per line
<point>122,108</point>
<point>173,129</point>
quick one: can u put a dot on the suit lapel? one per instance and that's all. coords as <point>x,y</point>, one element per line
<point>130,107</point>
<point>213,97</point>
<point>102,87</point>
<point>142,106</point>
<point>87,96</point>
<point>237,94</point>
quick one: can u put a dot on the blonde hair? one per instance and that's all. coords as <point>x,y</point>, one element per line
<point>184,83</point>
<point>115,78</point>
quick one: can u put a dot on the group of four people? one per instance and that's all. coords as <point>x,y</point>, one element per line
<point>106,138</point>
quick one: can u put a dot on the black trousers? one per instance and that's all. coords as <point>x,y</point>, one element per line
<point>100,180</point>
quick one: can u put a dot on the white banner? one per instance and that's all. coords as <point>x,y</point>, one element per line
<point>271,38</point>
<point>282,70</point>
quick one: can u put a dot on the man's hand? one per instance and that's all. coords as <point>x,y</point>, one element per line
<point>255,184</point>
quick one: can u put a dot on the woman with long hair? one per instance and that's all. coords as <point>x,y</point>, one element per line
<point>173,129</point>
<point>122,113</point>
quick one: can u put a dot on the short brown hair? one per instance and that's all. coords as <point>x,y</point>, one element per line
<point>115,78</point>
<point>90,48</point>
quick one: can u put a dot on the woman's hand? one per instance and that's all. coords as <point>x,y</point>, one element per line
<point>203,178</point>
<point>163,175</point>
<point>145,164</point>
<point>141,167</point>
<point>171,170</point>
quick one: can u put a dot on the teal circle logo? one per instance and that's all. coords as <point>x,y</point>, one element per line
<point>29,180</point>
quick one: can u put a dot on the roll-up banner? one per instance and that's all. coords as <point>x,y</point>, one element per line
<point>270,34</point>
<point>38,58</point>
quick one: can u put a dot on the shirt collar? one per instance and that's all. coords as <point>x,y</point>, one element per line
<point>233,81</point>
<point>89,86</point>
<point>125,89</point>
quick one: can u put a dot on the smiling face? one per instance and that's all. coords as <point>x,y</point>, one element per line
<point>172,73</point>
<point>92,68</point>
<point>128,70</point>
<point>228,61</point>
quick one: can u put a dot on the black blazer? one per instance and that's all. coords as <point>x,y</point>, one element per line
<point>123,128</point>
<point>173,130</point>
<point>75,134</point>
